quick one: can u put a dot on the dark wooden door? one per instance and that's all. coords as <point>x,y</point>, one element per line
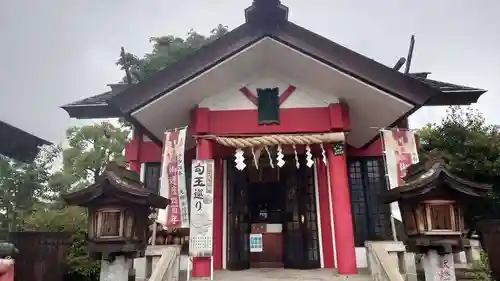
<point>238,224</point>
<point>301,244</point>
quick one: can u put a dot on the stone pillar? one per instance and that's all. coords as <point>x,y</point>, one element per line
<point>116,270</point>
<point>341,204</point>
<point>438,267</point>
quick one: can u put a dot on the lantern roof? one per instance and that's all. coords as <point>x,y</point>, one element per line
<point>430,174</point>
<point>118,183</point>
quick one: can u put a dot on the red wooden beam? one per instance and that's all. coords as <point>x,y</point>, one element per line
<point>253,97</point>
<point>287,93</point>
<point>250,96</point>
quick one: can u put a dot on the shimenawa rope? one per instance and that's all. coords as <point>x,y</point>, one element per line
<point>272,140</point>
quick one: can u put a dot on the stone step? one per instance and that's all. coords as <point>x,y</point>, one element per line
<point>284,275</point>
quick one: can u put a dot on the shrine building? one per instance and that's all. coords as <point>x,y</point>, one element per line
<point>18,144</point>
<point>296,92</point>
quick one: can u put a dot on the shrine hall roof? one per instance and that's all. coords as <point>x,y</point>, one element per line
<point>18,144</point>
<point>451,94</point>
<point>430,174</point>
<point>269,19</point>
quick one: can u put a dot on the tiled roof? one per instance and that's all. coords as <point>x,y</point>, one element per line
<point>100,99</point>
<point>443,86</point>
<point>95,106</point>
<point>18,144</point>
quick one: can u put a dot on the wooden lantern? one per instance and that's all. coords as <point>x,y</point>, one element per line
<point>433,204</point>
<point>432,217</point>
<point>118,209</point>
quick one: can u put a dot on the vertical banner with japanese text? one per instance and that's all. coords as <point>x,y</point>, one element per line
<point>173,180</point>
<point>202,208</point>
<point>400,148</point>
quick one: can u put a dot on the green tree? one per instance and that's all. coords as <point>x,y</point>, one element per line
<point>471,145</point>
<point>166,51</point>
<point>90,149</point>
<point>23,185</point>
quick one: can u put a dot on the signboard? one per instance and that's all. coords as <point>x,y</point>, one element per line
<point>256,245</point>
<point>173,180</point>
<point>202,208</point>
<point>400,150</point>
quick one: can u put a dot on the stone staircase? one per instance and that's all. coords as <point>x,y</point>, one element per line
<point>387,261</point>
<point>279,274</point>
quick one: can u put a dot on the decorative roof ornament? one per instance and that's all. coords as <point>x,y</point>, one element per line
<point>266,13</point>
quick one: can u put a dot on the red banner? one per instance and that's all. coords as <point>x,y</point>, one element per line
<point>400,152</point>
<point>173,182</point>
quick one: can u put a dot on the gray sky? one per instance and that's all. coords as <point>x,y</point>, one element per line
<point>59,51</point>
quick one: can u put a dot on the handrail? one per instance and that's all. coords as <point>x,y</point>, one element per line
<point>167,268</point>
<point>388,261</point>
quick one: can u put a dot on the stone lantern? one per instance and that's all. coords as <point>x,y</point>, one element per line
<point>118,209</point>
<point>434,204</point>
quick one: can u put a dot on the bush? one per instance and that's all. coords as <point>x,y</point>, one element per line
<point>73,220</point>
<point>480,271</point>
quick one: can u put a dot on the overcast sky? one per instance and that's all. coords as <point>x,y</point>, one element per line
<point>59,51</point>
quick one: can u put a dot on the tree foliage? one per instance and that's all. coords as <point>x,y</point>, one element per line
<point>167,50</point>
<point>23,185</point>
<point>473,151</point>
<point>90,149</point>
<point>471,145</point>
<point>30,193</point>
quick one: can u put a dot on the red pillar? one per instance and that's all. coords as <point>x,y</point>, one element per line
<point>341,204</point>
<point>201,266</point>
<point>133,151</point>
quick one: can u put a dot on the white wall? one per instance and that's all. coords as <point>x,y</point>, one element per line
<point>303,96</point>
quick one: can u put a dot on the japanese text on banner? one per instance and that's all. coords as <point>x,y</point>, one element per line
<point>201,221</point>
<point>173,180</point>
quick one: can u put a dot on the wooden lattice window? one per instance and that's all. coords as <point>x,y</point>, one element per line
<point>152,176</point>
<point>371,217</point>
<point>110,223</point>
<point>441,216</point>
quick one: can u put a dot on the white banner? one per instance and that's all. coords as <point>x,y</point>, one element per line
<point>202,208</point>
<point>173,180</point>
<point>400,148</point>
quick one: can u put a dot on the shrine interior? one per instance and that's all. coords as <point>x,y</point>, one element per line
<point>277,205</point>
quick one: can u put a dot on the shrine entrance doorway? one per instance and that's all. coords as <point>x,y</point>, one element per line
<point>274,206</point>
